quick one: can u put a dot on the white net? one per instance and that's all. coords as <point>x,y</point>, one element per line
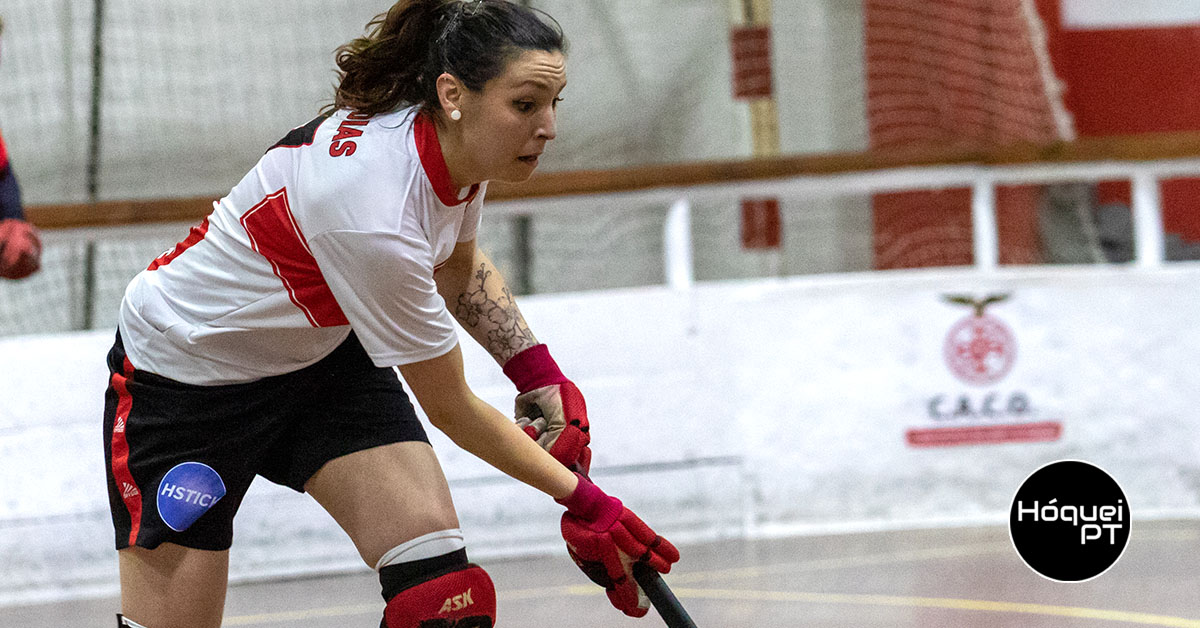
<point>82,280</point>
<point>195,90</point>
<point>45,91</point>
<point>51,300</point>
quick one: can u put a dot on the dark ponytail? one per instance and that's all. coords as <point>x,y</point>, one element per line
<point>404,51</point>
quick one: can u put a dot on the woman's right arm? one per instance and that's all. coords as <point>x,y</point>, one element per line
<point>441,388</point>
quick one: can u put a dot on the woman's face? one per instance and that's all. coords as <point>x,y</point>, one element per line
<point>508,123</point>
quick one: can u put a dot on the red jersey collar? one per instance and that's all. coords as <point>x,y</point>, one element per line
<point>429,149</point>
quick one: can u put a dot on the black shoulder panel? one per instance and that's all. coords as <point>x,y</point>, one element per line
<point>301,135</point>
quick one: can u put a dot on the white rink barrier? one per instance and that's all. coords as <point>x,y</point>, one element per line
<point>830,403</point>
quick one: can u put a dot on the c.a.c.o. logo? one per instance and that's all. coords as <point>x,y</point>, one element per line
<point>186,492</point>
<point>1069,521</point>
<point>980,349</point>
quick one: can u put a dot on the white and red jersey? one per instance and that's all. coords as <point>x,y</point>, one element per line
<point>339,226</point>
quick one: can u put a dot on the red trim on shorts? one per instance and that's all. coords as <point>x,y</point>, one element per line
<point>130,493</point>
<point>429,149</point>
<point>275,234</point>
<point>195,235</point>
<point>3,154</point>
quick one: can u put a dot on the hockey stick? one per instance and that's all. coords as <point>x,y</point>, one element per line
<point>664,601</point>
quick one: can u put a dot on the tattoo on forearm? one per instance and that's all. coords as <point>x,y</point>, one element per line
<point>498,315</point>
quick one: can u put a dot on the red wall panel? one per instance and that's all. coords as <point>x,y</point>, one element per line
<point>1132,80</point>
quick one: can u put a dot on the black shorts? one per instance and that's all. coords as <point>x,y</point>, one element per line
<point>180,457</point>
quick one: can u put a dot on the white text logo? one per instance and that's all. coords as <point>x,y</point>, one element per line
<point>457,603</point>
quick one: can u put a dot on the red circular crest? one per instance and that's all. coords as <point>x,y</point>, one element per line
<point>980,350</point>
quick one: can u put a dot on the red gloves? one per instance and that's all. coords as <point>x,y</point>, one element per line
<point>550,408</point>
<point>605,539</point>
<point>20,249</point>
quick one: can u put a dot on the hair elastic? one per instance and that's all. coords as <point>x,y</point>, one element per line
<point>472,10</point>
<point>467,9</point>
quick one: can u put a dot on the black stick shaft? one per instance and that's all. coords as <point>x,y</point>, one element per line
<point>661,597</point>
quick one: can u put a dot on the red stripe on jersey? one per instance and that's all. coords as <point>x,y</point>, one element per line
<point>3,154</point>
<point>130,493</point>
<point>274,234</point>
<point>195,235</point>
<point>429,149</point>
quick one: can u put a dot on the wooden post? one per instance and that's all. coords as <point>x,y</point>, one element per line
<point>750,41</point>
<point>750,38</point>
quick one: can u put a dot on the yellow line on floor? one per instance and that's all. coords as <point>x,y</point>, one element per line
<point>1076,612</point>
<point>884,558</point>
<point>310,613</point>
<point>1168,534</point>
<point>835,562</point>
<point>844,562</point>
<point>934,602</point>
<point>377,609</point>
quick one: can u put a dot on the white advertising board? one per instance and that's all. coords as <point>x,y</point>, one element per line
<point>884,400</point>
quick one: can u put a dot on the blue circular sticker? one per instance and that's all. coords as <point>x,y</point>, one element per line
<point>187,491</point>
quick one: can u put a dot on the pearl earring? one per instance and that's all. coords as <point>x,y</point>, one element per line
<point>456,115</point>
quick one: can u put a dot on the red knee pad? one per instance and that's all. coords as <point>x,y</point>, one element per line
<point>460,599</point>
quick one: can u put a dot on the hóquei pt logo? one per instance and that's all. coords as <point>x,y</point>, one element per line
<point>1069,521</point>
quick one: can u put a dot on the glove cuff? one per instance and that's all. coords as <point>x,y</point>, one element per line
<point>533,368</point>
<point>590,503</point>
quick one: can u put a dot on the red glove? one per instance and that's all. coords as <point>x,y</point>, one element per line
<point>550,408</point>
<point>605,539</point>
<point>20,249</point>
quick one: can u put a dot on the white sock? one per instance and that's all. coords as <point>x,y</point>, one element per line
<point>129,623</point>
<point>424,546</point>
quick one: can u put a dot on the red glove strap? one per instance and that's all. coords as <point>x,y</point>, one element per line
<point>591,504</point>
<point>533,368</point>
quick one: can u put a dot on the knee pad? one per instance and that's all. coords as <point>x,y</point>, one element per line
<point>462,598</point>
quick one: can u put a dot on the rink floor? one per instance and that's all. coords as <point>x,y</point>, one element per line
<point>927,578</point>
